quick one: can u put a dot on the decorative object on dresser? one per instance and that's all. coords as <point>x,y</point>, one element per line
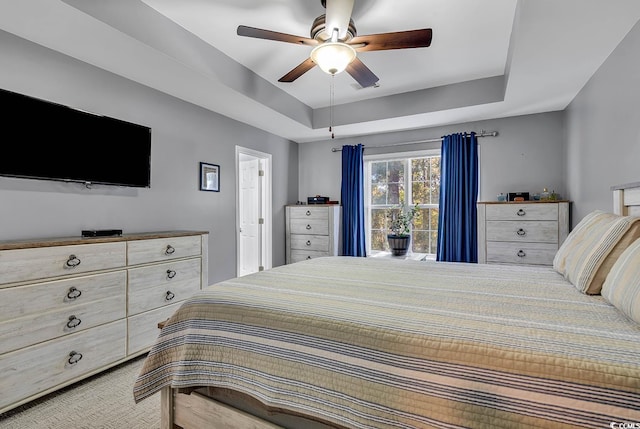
<point>318,200</point>
<point>73,307</point>
<point>528,233</point>
<point>518,196</point>
<point>311,232</point>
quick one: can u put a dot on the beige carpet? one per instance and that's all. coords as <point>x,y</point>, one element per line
<point>101,402</point>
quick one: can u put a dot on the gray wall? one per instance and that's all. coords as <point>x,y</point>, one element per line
<point>182,136</point>
<point>527,155</point>
<point>603,130</point>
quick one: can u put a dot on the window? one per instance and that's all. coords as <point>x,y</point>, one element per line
<point>410,177</point>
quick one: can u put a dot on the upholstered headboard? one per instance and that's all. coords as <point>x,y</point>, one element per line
<point>626,199</point>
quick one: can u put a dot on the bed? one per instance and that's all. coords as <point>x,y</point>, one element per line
<point>341,342</point>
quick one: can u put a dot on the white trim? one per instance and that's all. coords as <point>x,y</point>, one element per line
<point>268,205</point>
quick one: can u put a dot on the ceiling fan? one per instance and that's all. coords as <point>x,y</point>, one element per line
<point>335,43</point>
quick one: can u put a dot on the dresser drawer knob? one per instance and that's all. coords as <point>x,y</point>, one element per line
<point>73,261</point>
<point>73,322</point>
<point>521,232</point>
<point>308,213</point>
<point>308,242</point>
<point>308,226</point>
<point>74,293</point>
<point>170,295</point>
<point>521,253</point>
<point>171,274</point>
<point>521,212</point>
<point>74,357</point>
<point>169,250</point>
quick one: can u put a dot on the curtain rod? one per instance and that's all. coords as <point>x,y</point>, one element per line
<point>482,133</point>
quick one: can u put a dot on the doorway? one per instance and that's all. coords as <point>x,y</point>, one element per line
<point>253,211</point>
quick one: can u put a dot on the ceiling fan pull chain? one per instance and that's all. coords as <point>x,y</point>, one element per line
<point>331,98</point>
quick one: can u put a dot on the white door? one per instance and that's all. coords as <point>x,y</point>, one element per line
<point>253,210</point>
<point>250,215</point>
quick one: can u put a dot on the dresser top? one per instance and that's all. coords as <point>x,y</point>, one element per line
<point>313,205</point>
<point>525,202</point>
<point>66,241</point>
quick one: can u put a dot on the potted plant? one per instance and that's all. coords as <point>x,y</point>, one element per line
<point>400,218</point>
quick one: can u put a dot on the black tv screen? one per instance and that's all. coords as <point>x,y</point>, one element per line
<point>45,140</point>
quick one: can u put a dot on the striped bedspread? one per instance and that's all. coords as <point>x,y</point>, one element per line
<point>374,343</point>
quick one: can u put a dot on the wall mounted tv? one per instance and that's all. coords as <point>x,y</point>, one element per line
<point>45,140</point>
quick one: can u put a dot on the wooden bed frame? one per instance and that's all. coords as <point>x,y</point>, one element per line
<point>221,408</point>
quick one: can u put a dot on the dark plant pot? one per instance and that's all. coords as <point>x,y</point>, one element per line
<point>399,244</point>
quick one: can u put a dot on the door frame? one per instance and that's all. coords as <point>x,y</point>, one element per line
<point>266,190</point>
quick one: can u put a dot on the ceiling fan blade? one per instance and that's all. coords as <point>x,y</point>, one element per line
<point>338,15</point>
<point>298,71</point>
<point>361,73</point>
<point>398,40</point>
<point>259,33</point>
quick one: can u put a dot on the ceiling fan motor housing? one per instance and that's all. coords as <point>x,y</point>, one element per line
<point>318,30</point>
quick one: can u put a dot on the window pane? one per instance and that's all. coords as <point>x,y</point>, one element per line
<point>433,219</point>
<point>420,242</point>
<point>434,179</point>
<point>378,219</point>
<point>420,193</point>
<point>378,193</point>
<point>434,243</point>
<point>378,172</point>
<point>396,182</point>
<point>379,241</point>
<point>419,169</point>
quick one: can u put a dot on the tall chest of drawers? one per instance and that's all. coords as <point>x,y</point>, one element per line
<point>311,231</point>
<point>525,233</point>
<point>72,307</point>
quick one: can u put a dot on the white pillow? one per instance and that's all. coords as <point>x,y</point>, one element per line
<point>622,286</point>
<point>591,249</point>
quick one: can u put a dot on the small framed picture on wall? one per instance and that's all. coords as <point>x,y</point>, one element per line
<point>209,177</point>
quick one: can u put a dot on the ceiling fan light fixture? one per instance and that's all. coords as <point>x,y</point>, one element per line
<point>333,57</point>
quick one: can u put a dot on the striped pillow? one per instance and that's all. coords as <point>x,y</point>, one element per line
<point>622,286</point>
<point>591,249</point>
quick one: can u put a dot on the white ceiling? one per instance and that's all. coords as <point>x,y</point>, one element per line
<point>488,59</point>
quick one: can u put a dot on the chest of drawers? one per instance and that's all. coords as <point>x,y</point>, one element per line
<point>72,307</point>
<point>528,233</point>
<point>311,231</point>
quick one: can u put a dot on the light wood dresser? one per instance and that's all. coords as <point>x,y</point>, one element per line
<point>311,231</point>
<point>72,307</point>
<point>524,233</point>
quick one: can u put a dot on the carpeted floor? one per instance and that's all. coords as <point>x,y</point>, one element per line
<point>104,401</point>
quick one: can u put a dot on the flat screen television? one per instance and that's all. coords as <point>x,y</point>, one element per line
<point>45,140</point>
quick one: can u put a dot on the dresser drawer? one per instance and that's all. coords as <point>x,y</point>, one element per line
<point>521,253</point>
<point>315,213</point>
<point>310,242</point>
<point>41,262</point>
<point>522,212</point>
<point>309,226</point>
<point>39,298</point>
<point>158,285</point>
<point>41,368</point>
<point>143,328</point>
<point>531,231</point>
<point>29,330</point>
<point>162,249</point>
<point>301,255</point>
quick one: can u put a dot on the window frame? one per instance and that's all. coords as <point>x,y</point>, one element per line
<point>395,156</point>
